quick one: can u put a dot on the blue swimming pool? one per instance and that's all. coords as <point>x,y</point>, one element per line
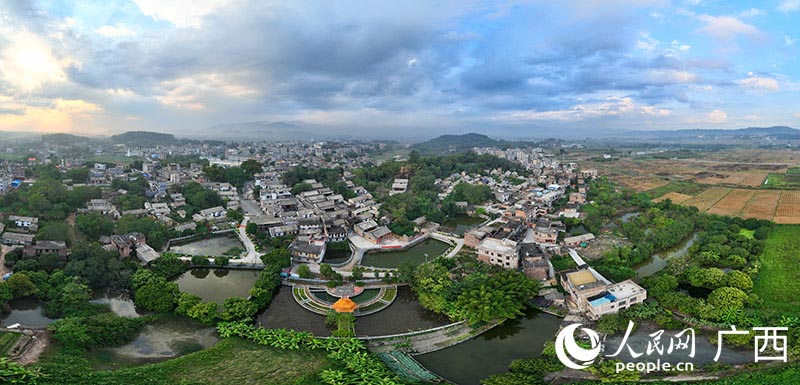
<point>608,298</point>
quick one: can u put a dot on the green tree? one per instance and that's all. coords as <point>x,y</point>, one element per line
<point>739,280</point>
<point>205,312</point>
<point>304,271</point>
<point>94,225</point>
<point>238,309</point>
<point>185,302</point>
<point>251,167</point>
<point>158,296</point>
<point>20,285</point>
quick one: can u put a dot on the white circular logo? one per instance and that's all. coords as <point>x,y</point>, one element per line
<point>584,357</point>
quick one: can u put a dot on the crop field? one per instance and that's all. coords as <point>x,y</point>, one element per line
<point>708,198</point>
<point>763,204</point>
<point>675,197</point>
<point>732,203</point>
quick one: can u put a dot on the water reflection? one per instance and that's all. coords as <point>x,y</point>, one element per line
<point>471,361</point>
<point>26,311</point>
<point>219,286</point>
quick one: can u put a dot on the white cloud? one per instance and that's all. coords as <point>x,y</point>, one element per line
<point>797,115</point>
<point>679,46</point>
<point>672,76</point>
<point>654,111</point>
<point>727,27</point>
<point>115,31</point>
<point>789,40</point>
<point>193,92</point>
<point>714,117</point>
<point>611,106</point>
<point>759,83</point>
<point>28,63</point>
<point>789,6</point>
<point>182,13</point>
<point>752,12</point>
<point>646,42</point>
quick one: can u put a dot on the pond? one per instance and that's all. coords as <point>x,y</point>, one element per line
<point>216,246</point>
<point>417,254</point>
<point>26,311</point>
<point>169,337</point>
<point>119,303</point>
<point>472,361</point>
<point>402,315</point>
<point>659,261</point>
<point>217,285</point>
<point>365,295</point>
<point>460,224</point>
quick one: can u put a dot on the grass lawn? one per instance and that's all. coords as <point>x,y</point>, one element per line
<point>777,284</point>
<point>747,233</point>
<point>231,361</point>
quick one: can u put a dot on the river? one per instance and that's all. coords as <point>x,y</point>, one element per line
<point>659,260</point>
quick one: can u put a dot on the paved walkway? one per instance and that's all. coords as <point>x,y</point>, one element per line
<point>458,242</point>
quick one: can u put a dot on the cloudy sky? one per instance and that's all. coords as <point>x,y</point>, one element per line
<point>411,67</point>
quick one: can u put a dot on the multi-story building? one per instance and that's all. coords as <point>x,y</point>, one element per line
<point>500,252</point>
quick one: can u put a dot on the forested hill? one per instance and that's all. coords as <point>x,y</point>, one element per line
<point>455,143</point>
<point>144,138</point>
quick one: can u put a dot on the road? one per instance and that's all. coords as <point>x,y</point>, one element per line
<point>252,255</point>
<point>459,243</point>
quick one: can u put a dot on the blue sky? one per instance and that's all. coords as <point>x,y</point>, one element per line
<point>398,68</point>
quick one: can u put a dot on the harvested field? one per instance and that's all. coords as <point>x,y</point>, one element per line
<point>707,198</point>
<point>675,197</point>
<point>762,206</point>
<point>733,203</point>
<point>709,180</point>
<point>787,213</point>
<point>754,179</point>
<point>736,179</point>
<point>789,197</point>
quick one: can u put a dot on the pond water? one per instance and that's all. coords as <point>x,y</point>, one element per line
<point>471,361</point>
<point>208,247</point>
<point>417,254</point>
<point>26,311</point>
<point>627,217</point>
<point>659,261</point>
<point>704,349</point>
<point>402,315</point>
<point>460,224</point>
<point>336,257</point>
<point>217,285</point>
<point>119,303</point>
<point>169,337</point>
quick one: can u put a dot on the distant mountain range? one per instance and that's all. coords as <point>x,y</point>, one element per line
<point>778,132</point>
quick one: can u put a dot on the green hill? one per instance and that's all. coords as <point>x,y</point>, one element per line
<point>455,143</point>
<point>144,138</point>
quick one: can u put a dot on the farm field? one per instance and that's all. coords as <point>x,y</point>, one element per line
<point>777,283</point>
<point>706,199</point>
<point>781,207</point>
<point>732,203</point>
<point>675,197</point>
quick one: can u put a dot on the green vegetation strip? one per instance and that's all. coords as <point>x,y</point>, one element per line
<point>777,283</point>
<point>7,341</point>
<point>231,361</point>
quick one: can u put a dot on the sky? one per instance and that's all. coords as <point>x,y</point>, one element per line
<point>398,68</point>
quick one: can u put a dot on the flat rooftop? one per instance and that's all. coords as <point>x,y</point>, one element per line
<point>582,277</point>
<point>625,289</point>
